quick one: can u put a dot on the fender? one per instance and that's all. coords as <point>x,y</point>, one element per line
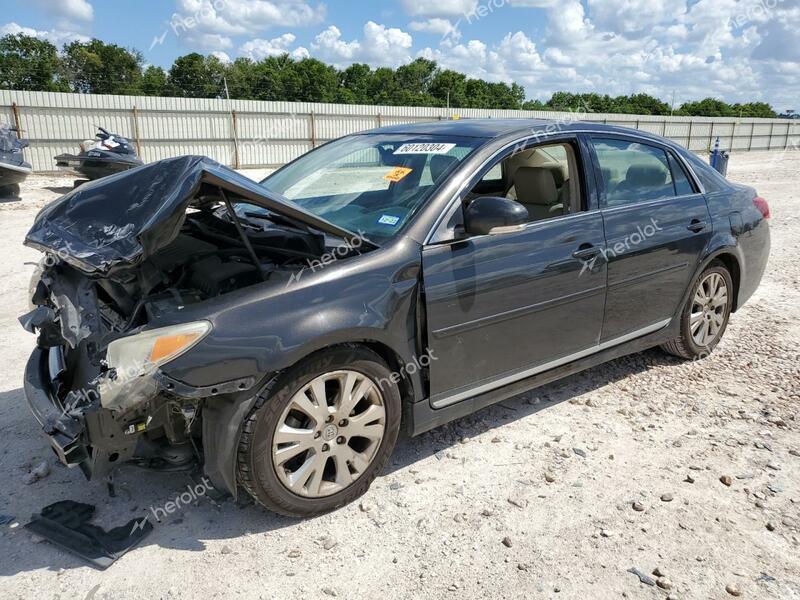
<point>727,248</point>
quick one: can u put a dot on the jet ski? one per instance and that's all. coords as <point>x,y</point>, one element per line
<point>13,168</point>
<point>108,153</point>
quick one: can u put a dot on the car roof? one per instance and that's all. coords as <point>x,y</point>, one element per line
<point>496,128</point>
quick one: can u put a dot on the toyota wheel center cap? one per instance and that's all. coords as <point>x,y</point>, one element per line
<point>329,432</point>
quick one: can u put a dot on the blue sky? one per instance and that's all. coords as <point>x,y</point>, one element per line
<point>737,50</point>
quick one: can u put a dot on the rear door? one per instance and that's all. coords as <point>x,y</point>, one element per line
<point>502,307</point>
<point>656,226</point>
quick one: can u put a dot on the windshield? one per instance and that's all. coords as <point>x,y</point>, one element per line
<point>373,183</point>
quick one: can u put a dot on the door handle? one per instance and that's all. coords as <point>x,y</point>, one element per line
<point>696,226</point>
<point>586,253</point>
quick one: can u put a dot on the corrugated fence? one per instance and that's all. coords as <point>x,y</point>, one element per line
<point>249,133</point>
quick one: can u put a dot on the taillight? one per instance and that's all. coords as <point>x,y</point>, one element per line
<point>762,206</point>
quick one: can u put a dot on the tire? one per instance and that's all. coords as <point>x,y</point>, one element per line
<point>340,471</point>
<point>693,346</point>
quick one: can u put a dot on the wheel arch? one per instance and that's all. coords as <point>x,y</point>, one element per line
<point>223,418</point>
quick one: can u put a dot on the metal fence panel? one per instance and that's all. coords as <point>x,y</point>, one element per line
<point>249,133</point>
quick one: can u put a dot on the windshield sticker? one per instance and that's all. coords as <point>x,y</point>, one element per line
<point>397,174</point>
<point>389,220</point>
<point>425,148</point>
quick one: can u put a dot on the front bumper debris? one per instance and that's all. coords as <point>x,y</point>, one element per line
<point>64,431</point>
<point>81,433</point>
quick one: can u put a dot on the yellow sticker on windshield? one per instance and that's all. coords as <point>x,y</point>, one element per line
<point>397,174</point>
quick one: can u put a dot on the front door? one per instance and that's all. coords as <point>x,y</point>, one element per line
<point>501,306</point>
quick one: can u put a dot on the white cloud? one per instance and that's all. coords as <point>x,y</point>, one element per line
<point>222,56</point>
<point>68,13</point>
<point>439,8</point>
<point>211,24</point>
<point>261,48</point>
<point>514,58</point>
<point>629,16</point>
<point>739,50</point>
<point>380,46</point>
<point>438,26</point>
<point>55,36</point>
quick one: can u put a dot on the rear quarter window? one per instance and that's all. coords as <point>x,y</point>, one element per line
<point>708,177</point>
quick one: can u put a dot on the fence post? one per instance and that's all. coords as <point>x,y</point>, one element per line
<point>379,119</point>
<point>750,143</point>
<point>771,131</point>
<point>313,122</point>
<point>235,139</point>
<point>136,131</point>
<point>15,110</point>
<point>710,137</point>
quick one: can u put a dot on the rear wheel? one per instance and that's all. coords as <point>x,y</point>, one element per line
<point>705,316</point>
<point>317,441</point>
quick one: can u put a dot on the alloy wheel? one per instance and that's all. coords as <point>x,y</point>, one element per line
<point>329,433</point>
<point>709,309</point>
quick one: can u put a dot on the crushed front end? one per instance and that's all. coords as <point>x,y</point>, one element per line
<point>99,404</point>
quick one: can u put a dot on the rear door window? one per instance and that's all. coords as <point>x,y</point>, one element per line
<point>633,172</point>
<point>683,187</point>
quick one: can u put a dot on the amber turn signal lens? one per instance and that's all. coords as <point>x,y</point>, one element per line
<point>169,345</point>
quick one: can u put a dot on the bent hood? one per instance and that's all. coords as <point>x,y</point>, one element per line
<point>122,219</point>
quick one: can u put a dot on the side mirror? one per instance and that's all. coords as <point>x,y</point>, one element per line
<point>494,214</point>
<point>23,143</point>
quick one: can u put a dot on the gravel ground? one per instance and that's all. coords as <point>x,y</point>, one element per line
<point>559,493</point>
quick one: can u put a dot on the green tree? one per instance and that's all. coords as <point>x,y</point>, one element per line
<point>708,107</point>
<point>310,80</point>
<point>28,63</point>
<point>197,76</point>
<point>754,109</point>
<point>154,82</point>
<point>95,67</point>
<point>448,85</point>
<point>354,82</point>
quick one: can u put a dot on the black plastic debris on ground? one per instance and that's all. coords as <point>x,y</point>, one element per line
<point>66,524</point>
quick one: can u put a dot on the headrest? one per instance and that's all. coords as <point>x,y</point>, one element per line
<point>646,175</point>
<point>558,174</point>
<point>535,185</point>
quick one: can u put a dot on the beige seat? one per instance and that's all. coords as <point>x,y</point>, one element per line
<point>536,190</point>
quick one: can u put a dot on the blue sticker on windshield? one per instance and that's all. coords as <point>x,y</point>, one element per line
<point>389,220</point>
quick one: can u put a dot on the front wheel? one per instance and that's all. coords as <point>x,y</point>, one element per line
<point>705,316</point>
<point>317,442</point>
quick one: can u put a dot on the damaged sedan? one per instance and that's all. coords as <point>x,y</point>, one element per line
<point>280,335</point>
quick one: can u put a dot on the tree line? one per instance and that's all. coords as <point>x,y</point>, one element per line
<point>96,67</point>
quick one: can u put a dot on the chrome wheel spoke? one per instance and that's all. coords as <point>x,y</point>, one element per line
<point>354,389</point>
<point>368,424</point>
<point>709,309</point>
<point>343,475</point>
<point>291,442</point>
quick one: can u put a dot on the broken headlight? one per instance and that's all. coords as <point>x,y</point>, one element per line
<point>142,352</point>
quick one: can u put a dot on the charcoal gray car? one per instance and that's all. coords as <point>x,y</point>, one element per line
<point>279,336</point>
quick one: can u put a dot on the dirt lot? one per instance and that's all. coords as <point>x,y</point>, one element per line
<point>614,469</point>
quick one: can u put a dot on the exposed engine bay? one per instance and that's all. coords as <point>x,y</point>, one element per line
<point>205,260</point>
<point>102,335</point>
